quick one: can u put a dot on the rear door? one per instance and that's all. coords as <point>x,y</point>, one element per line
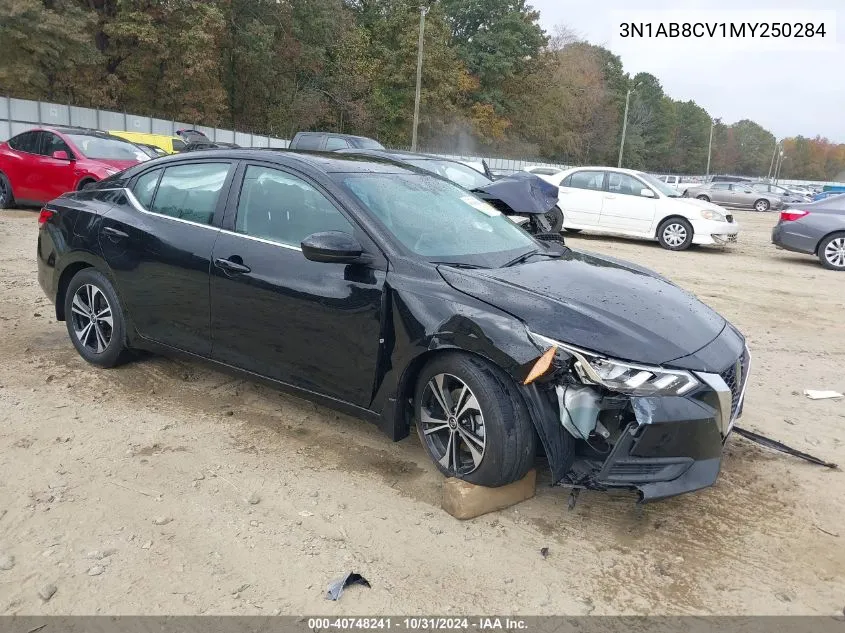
<point>742,195</point>
<point>624,207</point>
<point>21,163</point>
<point>581,196</point>
<point>158,244</point>
<point>720,192</point>
<point>312,325</point>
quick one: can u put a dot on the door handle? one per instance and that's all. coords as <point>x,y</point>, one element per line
<point>227,265</point>
<point>116,233</point>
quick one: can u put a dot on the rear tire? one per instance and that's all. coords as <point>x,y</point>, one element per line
<point>85,184</point>
<point>703,197</point>
<point>94,319</point>
<point>761,205</point>
<point>675,234</point>
<point>7,199</point>
<point>463,403</point>
<point>832,252</point>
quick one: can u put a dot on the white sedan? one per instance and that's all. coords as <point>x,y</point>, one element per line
<point>636,204</point>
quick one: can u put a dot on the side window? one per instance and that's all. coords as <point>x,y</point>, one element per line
<point>566,182</point>
<point>624,184</point>
<point>26,142</point>
<point>190,192</point>
<point>178,146</point>
<point>587,180</point>
<point>309,141</point>
<point>145,187</point>
<point>53,143</point>
<point>333,143</point>
<point>278,206</point>
<point>721,185</point>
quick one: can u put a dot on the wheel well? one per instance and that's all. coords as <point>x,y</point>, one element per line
<point>64,281</point>
<point>672,217</point>
<point>824,237</point>
<point>84,182</point>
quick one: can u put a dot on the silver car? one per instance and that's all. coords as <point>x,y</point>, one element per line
<point>816,229</point>
<point>736,194</point>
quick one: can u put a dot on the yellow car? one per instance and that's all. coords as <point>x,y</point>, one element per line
<point>170,144</point>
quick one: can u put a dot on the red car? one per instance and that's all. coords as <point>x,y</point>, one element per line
<point>43,163</point>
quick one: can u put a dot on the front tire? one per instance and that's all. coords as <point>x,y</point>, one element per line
<point>94,319</point>
<point>555,219</point>
<point>7,200</point>
<point>472,421</point>
<point>761,205</point>
<point>832,252</point>
<point>703,197</point>
<point>675,234</point>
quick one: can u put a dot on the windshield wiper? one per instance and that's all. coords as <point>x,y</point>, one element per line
<point>522,258</point>
<point>459,264</point>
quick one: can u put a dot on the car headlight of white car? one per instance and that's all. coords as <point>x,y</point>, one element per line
<point>622,377</point>
<point>711,214</point>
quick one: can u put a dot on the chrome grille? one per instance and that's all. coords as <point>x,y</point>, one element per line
<point>735,376</point>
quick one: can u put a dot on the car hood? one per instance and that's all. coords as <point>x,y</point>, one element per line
<point>521,192</point>
<point>596,303</point>
<point>120,165</point>
<point>698,204</point>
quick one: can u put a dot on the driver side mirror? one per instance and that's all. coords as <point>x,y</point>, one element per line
<point>60,155</point>
<point>647,193</point>
<point>331,247</point>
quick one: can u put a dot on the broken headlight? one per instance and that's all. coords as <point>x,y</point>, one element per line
<point>623,377</point>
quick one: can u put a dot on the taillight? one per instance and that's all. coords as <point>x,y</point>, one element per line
<point>45,216</point>
<point>792,215</point>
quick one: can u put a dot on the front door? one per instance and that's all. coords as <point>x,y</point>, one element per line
<point>54,176</point>
<point>158,242</point>
<point>625,208</point>
<point>312,325</point>
<point>580,197</point>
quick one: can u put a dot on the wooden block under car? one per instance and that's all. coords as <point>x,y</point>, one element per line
<point>464,500</point>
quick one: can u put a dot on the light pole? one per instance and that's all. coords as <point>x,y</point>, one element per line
<point>710,144</point>
<point>625,122</point>
<point>781,158</point>
<point>772,164</point>
<point>423,11</point>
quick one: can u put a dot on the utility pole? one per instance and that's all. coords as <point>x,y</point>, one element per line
<point>423,11</point>
<point>779,166</point>
<point>624,128</point>
<point>625,122</point>
<point>710,144</point>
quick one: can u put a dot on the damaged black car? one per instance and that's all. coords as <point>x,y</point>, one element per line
<point>384,291</point>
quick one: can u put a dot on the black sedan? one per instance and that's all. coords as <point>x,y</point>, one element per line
<point>815,228</point>
<point>389,293</point>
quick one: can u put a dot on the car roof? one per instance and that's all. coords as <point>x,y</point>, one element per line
<point>338,134</point>
<point>68,129</point>
<point>329,162</point>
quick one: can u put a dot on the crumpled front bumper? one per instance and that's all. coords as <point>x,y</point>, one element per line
<point>675,445</point>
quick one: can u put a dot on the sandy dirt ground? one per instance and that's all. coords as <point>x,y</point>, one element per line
<point>165,487</point>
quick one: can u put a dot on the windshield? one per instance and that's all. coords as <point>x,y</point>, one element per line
<point>107,148</point>
<point>438,220</point>
<point>662,187</point>
<point>460,174</point>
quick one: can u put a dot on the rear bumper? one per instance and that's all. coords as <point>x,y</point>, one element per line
<point>787,237</point>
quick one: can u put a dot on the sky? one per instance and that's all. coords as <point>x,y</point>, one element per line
<point>789,86</point>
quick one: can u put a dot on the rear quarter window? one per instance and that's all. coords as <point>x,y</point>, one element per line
<point>308,141</point>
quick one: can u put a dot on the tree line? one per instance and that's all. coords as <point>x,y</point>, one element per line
<point>493,81</point>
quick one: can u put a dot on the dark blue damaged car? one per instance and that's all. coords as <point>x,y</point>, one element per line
<point>384,291</point>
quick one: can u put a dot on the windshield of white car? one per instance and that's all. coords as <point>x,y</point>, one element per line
<point>662,187</point>
<point>439,221</point>
<point>107,148</point>
<point>460,174</point>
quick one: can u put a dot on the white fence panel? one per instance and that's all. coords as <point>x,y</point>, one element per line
<point>243,139</point>
<point>54,114</point>
<point>83,117</point>
<point>138,124</point>
<point>108,120</point>
<point>160,126</point>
